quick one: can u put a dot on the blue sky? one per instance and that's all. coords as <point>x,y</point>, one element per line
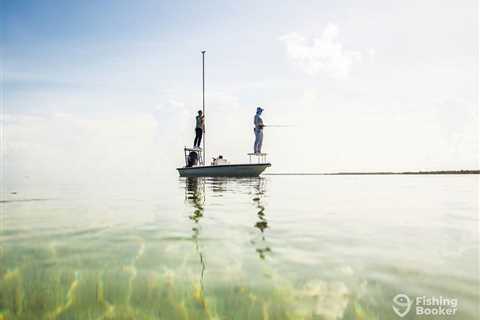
<point>368,86</point>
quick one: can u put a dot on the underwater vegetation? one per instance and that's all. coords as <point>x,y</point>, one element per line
<point>50,289</point>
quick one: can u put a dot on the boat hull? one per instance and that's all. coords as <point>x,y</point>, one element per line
<point>227,170</point>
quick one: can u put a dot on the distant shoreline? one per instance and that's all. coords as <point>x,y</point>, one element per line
<point>375,173</point>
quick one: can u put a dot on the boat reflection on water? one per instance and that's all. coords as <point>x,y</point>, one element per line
<point>261,244</point>
<point>195,194</point>
<point>196,189</point>
<point>218,185</point>
<point>255,187</point>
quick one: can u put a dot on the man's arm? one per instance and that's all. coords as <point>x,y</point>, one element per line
<point>260,123</point>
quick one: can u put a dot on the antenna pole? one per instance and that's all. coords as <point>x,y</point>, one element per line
<point>203,103</point>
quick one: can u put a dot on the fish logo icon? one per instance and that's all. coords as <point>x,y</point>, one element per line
<point>401,304</point>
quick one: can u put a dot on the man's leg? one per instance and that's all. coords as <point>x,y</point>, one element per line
<point>200,133</point>
<point>195,142</point>
<point>260,141</point>
<point>255,145</point>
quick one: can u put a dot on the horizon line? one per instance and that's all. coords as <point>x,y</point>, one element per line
<point>462,171</point>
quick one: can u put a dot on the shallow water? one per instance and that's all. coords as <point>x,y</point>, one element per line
<point>278,247</point>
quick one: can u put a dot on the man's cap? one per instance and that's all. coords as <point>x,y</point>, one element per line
<point>259,109</point>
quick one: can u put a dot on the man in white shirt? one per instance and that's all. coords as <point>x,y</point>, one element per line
<point>258,130</point>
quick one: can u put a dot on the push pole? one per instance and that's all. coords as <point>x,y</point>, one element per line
<point>203,103</point>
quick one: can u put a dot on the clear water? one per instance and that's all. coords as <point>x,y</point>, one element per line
<point>278,247</point>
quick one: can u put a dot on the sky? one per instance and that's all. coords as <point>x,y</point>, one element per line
<point>111,88</point>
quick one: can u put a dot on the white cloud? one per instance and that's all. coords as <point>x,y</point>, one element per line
<point>323,54</point>
<point>63,146</point>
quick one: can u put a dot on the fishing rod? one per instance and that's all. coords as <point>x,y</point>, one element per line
<point>279,125</point>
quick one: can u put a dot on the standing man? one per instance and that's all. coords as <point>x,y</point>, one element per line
<point>258,122</point>
<point>199,126</point>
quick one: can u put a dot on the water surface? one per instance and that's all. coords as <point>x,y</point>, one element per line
<point>277,247</point>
